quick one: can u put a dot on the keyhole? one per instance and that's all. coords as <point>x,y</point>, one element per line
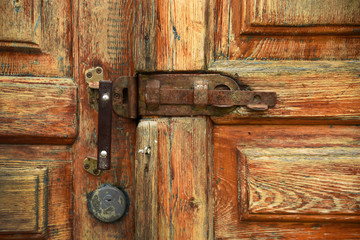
<point>108,198</point>
<point>125,95</point>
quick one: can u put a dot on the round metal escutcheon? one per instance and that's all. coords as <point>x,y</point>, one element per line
<point>107,203</point>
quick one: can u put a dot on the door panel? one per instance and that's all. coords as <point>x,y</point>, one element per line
<point>287,30</point>
<point>23,200</point>
<point>38,119</point>
<point>38,110</point>
<point>35,38</point>
<point>290,172</point>
<point>36,190</point>
<point>286,181</point>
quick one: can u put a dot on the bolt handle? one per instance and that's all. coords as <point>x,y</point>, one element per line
<point>104,125</point>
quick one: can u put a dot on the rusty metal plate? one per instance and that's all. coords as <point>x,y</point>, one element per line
<point>125,97</point>
<point>176,94</point>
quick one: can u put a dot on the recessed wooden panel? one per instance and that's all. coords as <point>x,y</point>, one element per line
<point>21,23</point>
<point>37,110</point>
<point>301,16</point>
<point>52,163</point>
<point>299,184</point>
<point>35,38</point>
<point>304,12</point>
<point>23,197</point>
<point>287,30</point>
<point>293,173</point>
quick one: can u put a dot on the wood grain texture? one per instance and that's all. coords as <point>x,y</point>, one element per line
<point>36,38</point>
<point>286,30</point>
<point>23,200</point>
<point>299,184</point>
<point>102,37</point>
<point>315,138</point>
<point>306,91</point>
<point>50,168</point>
<point>304,12</point>
<point>23,23</point>
<point>173,183</point>
<point>38,110</point>
<point>331,17</point>
<point>173,35</point>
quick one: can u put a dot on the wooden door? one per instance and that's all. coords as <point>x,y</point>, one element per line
<point>48,117</point>
<point>291,172</point>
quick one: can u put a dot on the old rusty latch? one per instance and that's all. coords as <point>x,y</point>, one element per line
<point>184,95</point>
<point>196,94</point>
<point>167,95</point>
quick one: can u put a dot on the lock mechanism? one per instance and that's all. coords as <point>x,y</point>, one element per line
<point>108,203</point>
<point>180,94</point>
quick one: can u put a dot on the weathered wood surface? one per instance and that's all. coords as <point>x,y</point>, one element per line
<point>294,183</point>
<point>173,183</point>
<point>35,38</point>
<point>312,92</point>
<point>39,173</point>
<point>102,37</point>
<point>303,13</point>
<point>21,24</point>
<point>173,35</point>
<point>38,110</point>
<point>38,105</point>
<point>23,199</point>
<point>332,183</point>
<point>289,30</point>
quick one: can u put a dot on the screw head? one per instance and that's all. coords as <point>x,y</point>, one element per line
<point>86,166</point>
<point>105,97</point>
<point>89,75</point>
<point>96,171</point>
<point>99,70</point>
<point>103,153</point>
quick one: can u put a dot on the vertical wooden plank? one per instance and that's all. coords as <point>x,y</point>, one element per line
<point>146,180</point>
<point>222,31</point>
<point>173,35</point>
<point>173,184</point>
<point>102,37</point>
